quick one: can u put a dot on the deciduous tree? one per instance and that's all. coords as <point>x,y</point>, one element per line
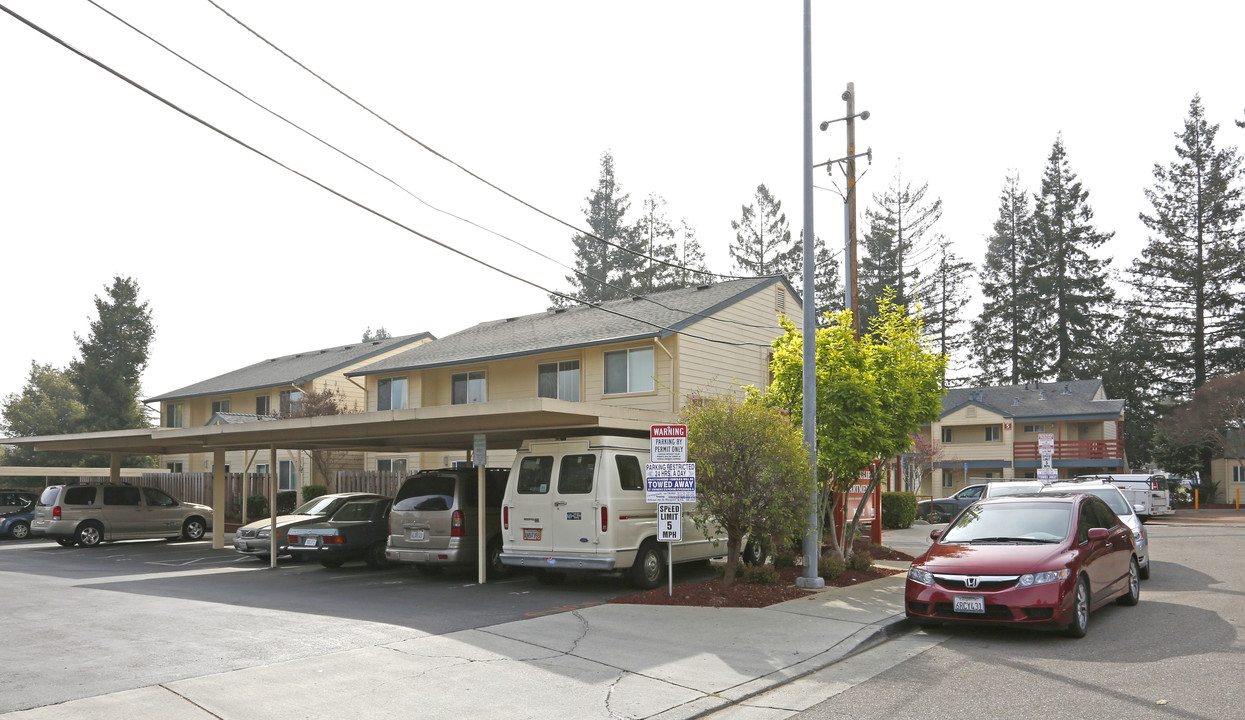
<point>49,404</point>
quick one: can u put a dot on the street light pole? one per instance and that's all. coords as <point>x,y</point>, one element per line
<point>850,96</point>
<point>812,543</point>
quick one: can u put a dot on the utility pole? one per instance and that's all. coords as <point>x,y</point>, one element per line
<point>853,283</point>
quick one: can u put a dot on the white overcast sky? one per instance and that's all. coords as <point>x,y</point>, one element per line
<point>699,102</point>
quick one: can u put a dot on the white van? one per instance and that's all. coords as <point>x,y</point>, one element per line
<point>578,504</point>
<point>1146,493</point>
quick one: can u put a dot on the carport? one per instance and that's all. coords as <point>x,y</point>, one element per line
<point>478,427</point>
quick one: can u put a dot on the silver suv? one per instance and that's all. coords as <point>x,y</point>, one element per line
<point>91,513</point>
<point>1118,503</point>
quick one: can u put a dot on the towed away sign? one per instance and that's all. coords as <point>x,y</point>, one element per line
<point>670,482</point>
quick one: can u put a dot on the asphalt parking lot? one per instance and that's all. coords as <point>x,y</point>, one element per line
<point>92,620</point>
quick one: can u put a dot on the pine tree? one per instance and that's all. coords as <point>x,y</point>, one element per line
<point>944,315</point>
<point>692,269</point>
<point>1004,333</point>
<point>1187,279</point>
<point>113,358</point>
<point>763,240</point>
<point>827,281</point>
<point>598,262</point>
<point>1072,284</point>
<point>896,245</point>
<point>656,238</point>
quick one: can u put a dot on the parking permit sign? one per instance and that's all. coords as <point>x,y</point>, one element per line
<point>669,482</point>
<point>670,522</point>
<point>668,443</point>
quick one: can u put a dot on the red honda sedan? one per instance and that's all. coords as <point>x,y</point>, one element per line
<point>1044,560</point>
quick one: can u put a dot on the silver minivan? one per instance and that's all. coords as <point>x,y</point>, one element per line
<point>91,513</point>
<point>434,520</point>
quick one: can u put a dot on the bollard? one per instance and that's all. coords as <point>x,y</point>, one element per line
<point>1195,494</point>
<point>1238,498</point>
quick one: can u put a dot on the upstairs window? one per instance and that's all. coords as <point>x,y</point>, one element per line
<point>946,435</point>
<point>1035,428</point>
<point>391,393</point>
<point>558,380</point>
<point>220,406</point>
<point>469,387</point>
<point>629,371</point>
<point>173,415</point>
<point>261,405</point>
<point>291,402</point>
<point>993,433</point>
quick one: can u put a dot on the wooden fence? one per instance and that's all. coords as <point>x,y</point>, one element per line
<point>370,481</point>
<point>197,488</point>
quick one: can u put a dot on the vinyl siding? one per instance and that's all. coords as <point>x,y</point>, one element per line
<point>715,368</point>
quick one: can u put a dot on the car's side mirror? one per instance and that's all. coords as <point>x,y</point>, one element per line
<point>935,534</point>
<point>1098,533</point>
<point>1139,508</point>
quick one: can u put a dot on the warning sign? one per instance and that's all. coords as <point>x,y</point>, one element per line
<point>668,443</point>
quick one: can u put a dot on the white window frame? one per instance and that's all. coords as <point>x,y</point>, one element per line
<point>261,468</point>
<point>391,393</point>
<point>1238,474</point>
<point>174,415</point>
<point>267,405</point>
<point>174,467</point>
<point>946,435</point>
<point>476,387</point>
<point>286,403</point>
<point>1035,428</point>
<point>948,479</point>
<point>994,433</point>
<point>566,387</point>
<point>393,465</point>
<point>635,384</point>
<point>221,406</point>
<point>287,475</point>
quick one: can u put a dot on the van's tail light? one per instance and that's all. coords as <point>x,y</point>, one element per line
<point>605,518</point>
<point>505,517</point>
<point>456,524</point>
<point>1154,484</point>
<point>56,512</point>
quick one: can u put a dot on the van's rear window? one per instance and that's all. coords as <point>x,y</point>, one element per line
<point>426,492</point>
<point>48,498</point>
<point>534,474</point>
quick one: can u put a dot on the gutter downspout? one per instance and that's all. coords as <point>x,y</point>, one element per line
<point>674,378</point>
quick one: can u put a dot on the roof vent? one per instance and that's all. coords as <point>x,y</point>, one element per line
<point>511,319</point>
<point>637,297</point>
<point>375,342</point>
<point>298,355</point>
<point>1015,401</point>
<point>1043,394</point>
<point>323,352</point>
<point>1067,389</point>
<point>703,287</point>
<point>559,311</point>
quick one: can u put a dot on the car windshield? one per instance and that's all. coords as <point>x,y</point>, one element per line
<point>323,505</point>
<point>1044,522</point>
<point>1114,498</point>
<point>1002,490</point>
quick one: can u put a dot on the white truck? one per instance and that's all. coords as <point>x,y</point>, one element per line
<point>1146,493</point>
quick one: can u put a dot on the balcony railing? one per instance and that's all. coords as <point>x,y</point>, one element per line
<point>1073,450</point>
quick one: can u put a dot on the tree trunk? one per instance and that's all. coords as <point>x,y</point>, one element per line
<point>733,543</point>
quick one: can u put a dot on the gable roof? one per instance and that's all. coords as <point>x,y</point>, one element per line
<point>1037,401</point>
<point>291,369</point>
<point>653,316</point>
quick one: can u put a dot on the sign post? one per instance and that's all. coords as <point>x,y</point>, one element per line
<point>1046,448</point>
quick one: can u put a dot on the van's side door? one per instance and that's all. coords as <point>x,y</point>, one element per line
<point>532,506</point>
<point>123,511</point>
<point>574,519</point>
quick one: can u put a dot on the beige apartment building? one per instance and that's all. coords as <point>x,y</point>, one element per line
<point>989,433</point>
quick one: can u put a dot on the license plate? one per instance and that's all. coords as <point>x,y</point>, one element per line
<point>531,533</point>
<point>969,604</point>
<point>417,534</point>
<point>309,541</point>
<point>240,545</point>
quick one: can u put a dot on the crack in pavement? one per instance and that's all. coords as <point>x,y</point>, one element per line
<point>192,702</point>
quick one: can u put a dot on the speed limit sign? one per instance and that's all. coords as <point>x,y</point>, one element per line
<point>670,522</point>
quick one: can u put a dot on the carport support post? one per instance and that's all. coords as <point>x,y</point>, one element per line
<point>218,499</point>
<point>114,468</point>
<point>272,507</point>
<point>479,456</point>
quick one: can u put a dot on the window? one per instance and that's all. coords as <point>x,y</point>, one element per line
<point>559,380</point>
<point>261,468</point>
<point>534,474</point>
<point>391,393</point>
<point>469,387</point>
<point>395,465</point>
<point>220,406</point>
<point>630,474</point>
<point>261,405</point>
<point>291,402</point>
<point>173,415</point>
<point>122,495</point>
<point>993,433</point>
<point>79,496</point>
<point>287,476</point>
<point>946,434</point>
<point>629,371</point>
<point>1238,474</point>
<point>946,478</point>
<point>158,498</point>
<point>575,477</point>
<point>1035,428</point>
<point>174,467</point>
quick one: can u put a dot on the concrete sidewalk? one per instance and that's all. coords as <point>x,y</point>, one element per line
<point>606,661</point>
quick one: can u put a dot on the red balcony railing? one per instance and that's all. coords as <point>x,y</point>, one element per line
<point>1073,450</point>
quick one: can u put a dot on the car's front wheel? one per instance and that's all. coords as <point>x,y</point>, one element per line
<point>1080,611</point>
<point>1134,585</point>
<point>193,529</point>
<point>19,530</point>
<point>649,567</point>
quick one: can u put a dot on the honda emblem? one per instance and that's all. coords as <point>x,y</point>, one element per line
<point>971,582</point>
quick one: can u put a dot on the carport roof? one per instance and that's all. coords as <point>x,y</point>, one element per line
<point>505,423</point>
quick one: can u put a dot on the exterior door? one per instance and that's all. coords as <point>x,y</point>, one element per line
<point>533,504</point>
<point>573,520</point>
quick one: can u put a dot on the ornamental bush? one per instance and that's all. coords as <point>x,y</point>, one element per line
<point>898,510</point>
<point>312,492</point>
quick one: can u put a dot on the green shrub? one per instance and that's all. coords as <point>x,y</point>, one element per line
<point>860,562</point>
<point>786,558</point>
<point>898,510</point>
<point>256,506</point>
<point>287,500</point>
<point>312,492</point>
<point>830,567</point>
<point>760,574</point>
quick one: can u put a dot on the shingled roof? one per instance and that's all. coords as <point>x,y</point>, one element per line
<point>652,316</point>
<point>1037,401</point>
<point>291,369</point>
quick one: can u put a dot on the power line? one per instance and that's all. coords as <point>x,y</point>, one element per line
<point>349,199</point>
<point>404,189</point>
<point>587,233</point>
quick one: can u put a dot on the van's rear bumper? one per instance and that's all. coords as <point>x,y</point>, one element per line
<point>561,562</point>
<point>444,556</point>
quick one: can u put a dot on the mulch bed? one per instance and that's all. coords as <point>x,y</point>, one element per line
<point>710,593</point>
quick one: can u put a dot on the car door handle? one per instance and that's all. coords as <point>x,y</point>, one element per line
<point>559,503</point>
